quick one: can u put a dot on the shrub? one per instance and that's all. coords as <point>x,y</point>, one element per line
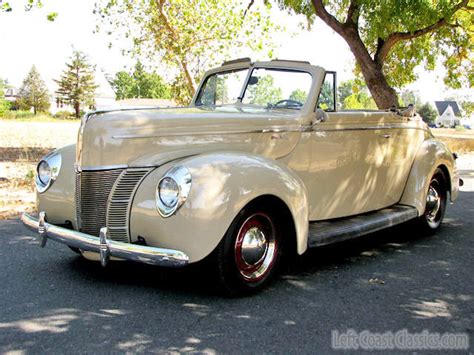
<point>64,115</point>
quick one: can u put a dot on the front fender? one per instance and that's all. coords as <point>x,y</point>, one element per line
<point>58,200</point>
<point>431,155</point>
<point>222,184</point>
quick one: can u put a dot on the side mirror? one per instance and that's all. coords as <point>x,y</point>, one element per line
<point>320,116</point>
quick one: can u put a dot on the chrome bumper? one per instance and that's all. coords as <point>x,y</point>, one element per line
<point>105,247</point>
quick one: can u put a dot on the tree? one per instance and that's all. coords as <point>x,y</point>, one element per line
<point>408,97</point>
<point>34,93</point>
<point>264,92</point>
<point>29,4</point>
<point>354,95</point>
<point>76,84</point>
<point>187,35</point>
<point>139,84</point>
<point>299,95</point>
<point>428,113</point>
<point>4,104</point>
<point>389,38</point>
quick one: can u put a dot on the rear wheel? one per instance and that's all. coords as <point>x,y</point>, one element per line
<point>249,254</point>
<point>436,201</point>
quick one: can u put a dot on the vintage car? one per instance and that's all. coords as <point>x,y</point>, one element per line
<point>260,166</point>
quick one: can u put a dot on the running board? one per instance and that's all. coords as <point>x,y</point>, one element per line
<point>328,232</point>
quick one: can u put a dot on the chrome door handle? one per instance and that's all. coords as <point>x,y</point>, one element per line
<point>386,136</point>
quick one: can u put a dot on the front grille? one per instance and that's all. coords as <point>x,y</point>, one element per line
<point>120,201</point>
<point>94,190</point>
<point>103,198</point>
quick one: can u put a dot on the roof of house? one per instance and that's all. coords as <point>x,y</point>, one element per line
<point>441,106</point>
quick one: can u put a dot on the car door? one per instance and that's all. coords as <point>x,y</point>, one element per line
<point>349,162</point>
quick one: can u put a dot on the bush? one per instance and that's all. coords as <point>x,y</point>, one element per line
<point>64,115</point>
<point>18,115</point>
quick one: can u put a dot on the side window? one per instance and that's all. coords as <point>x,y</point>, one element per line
<point>327,95</point>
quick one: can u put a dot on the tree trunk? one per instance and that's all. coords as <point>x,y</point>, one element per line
<point>77,109</point>
<point>383,94</point>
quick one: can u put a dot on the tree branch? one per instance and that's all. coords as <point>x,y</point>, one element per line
<point>248,7</point>
<point>384,46</point>
<point>329,19</point>
<point>353,13</point>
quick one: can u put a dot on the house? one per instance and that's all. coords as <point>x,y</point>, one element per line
<point>11,94</point>
<point>449,113</point>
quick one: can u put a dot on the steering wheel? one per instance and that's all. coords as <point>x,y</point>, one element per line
<point>288,103</point>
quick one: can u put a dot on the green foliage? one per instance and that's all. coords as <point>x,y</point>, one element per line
<point>189,36</point>
<point>401,35</point>
<point>427,112</point>
<point>264,92</point>
<point>4,104</point>
<point>139,84</point>
<point>353,95</point>
<point>408,97</point>
<point>33,93</point>
<point>76,84</point>
<point>299,95</point>
<point>64,115</point>
<point>468,107</point>
<point>326,98</point>
<point>29,4</point>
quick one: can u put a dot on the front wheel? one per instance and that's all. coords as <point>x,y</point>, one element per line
<point>249,254</point>
<point>436,201</point>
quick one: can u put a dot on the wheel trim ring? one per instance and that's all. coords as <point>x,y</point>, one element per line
<point>256,272</point>
<point>434,219</point>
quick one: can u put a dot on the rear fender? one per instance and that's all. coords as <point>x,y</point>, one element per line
<point>431,155</point>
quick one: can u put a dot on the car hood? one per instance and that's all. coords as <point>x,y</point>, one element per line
<point>151,137</point>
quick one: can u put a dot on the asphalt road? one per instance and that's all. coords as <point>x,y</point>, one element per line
<point>53,301</point>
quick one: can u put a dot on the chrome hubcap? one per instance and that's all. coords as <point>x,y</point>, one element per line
<point>255,247</point>
<point>433,204</point>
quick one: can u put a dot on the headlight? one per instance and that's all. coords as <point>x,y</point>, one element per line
<point>47,171</point>
<point>172,190</point>
<point>44,172</point>
<point>168,192</point>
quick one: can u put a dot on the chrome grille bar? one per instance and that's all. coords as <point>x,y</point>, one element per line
<point>120,202</point>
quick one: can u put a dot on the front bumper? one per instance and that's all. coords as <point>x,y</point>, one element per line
<point>105,247</point>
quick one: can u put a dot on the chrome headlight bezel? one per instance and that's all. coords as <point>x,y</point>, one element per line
<point>54,162</point>
<point>182,177</point>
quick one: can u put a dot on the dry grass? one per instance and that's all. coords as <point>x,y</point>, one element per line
<point>16,189</point>
<point>24,134</point>
<point>22,144</point>
<point>459,145</point>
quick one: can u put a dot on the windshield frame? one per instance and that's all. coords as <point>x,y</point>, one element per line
<point>317,74</point>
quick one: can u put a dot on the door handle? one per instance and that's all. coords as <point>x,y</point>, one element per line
<point>386,136</point>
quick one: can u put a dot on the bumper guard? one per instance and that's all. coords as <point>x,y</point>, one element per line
<point>102,245</point>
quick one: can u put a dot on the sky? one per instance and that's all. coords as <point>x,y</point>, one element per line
<point>27,38</point>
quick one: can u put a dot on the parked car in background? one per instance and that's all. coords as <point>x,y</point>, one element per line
<point>260,166</point>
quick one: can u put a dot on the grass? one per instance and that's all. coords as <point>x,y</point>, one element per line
<point>27,116</point>
<point>459,145</point>
<point>37,134</point>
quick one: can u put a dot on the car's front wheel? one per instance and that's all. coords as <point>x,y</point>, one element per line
<point>249,254</point>
<point>436,201</point>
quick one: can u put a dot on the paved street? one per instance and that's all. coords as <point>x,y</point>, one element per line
<point>53,301</point>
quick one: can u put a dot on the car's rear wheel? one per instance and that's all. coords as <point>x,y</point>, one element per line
<point>436,201</point>
<point>249,254</point>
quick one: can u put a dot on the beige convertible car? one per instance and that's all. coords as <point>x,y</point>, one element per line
<point>260,166</point>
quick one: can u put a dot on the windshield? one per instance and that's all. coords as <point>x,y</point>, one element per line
<point>275,88</point>
<point>222,88</point>
<point>270,88</point>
